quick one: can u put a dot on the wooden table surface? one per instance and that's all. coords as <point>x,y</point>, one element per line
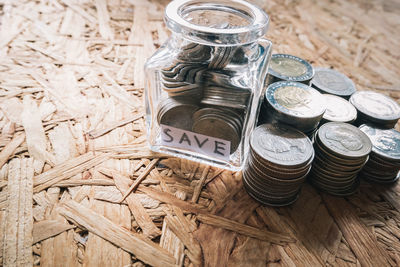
<point>73,141</point>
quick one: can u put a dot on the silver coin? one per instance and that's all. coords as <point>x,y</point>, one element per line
<point>226,96</point>
<point>218,128</point>
<point>376,105</point>
<point>333,82</point>
<point>290,68</point>
<point>176,114</point>
<point>339,109</point>
<point>281,145</point>
<point>344,140</point>
<point>386,143</point>
<point>295,104</point>
<point>296,99</point>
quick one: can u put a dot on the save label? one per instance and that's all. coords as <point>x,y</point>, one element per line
<point>211,146</point>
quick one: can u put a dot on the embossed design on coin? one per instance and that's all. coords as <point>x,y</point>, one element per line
<point>384,163</point>
<point>333,82</point>
<point>295,98</point>
<point>287,67</point>
<point>290,68</point>
<point>344,139</point>
<point>292,97</point>
<point>376,105</point>
<point>385,142</point>
<point>281,145</point>
<point>279,160</point>
<point>339,109</point>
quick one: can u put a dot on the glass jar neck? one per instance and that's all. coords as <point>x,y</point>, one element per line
<point>222,22</point>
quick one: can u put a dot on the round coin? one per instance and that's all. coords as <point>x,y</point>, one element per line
<point>344,140</point>
<point>295,99</point>
<point>176,114</point>
<point>386,143</point>
<point>218,128</point>
<point>281,145</point>
<point>333,82</point>
<point>290,68</point>
<point>339,109</point>
<point>376,106</point>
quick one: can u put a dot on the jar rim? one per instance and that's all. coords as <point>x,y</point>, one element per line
<point>257,21</point>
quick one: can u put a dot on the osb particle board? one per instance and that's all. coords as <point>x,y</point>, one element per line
<point>73,142</point>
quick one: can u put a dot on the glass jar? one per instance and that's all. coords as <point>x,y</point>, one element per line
<point>204,84</point>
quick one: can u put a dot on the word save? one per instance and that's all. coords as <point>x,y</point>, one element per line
<point>207,145</point>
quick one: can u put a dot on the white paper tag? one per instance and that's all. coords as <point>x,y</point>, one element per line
<point>211,146</point>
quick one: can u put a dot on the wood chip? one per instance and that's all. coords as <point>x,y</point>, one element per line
<point>360,238</point>
<point>172,244</point>
<point>48,228</point>
<point>104,19</point>
<point>9,149</point>
<point>142,248</point>
<point>67,170</point>
<point>245,229</point>
<point>76,182</point>
<point>199,186</point>
<point>172,200</point>
<point>97,133</point>
<point>138,211</point>
<point>35,135</point>
<point>141,177</point>
<point>187,239</point>
<point>17,245</point>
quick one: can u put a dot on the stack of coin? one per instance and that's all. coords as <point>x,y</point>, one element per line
<point>375,108</point>
<point>182,79</point>
<point>279,160</point>
<point>225,88</point>
<point>233,97</point>
<point>338,109</point>
<point>194,52</point>
<point>221,123</point>
<point>341,150</point>
<point>221,56</point>
<point>283,67</point>
<point>384,161</point>
<point>169,109</point>
<point>295,104</point>
<point>330,81</point>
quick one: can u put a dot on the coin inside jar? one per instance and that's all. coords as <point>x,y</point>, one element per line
<point>176,113</point>
<point>295,104</point>
<point>333,82</point>
<point>220,123</point>
<point>338,110</point>
<point>284,67</point>
<point>384,163</point>
<point>375,108</point>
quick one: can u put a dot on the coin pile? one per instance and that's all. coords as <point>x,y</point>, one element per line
<point>195,53</point>
<point>218,122</point>
<point>279,160</point>
<point>295,104</point>
<point>384,161</point>
<point>330,81</point>
<point>221,123</point>
<point>338,109</point>
<point>284,67</point>
<point>170,109</point>
<point>185,76</point>
<point>375,108</point>
<point>199,79</point>
<point>341,150</point>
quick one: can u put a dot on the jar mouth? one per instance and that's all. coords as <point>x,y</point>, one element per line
<point>219,22</point>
